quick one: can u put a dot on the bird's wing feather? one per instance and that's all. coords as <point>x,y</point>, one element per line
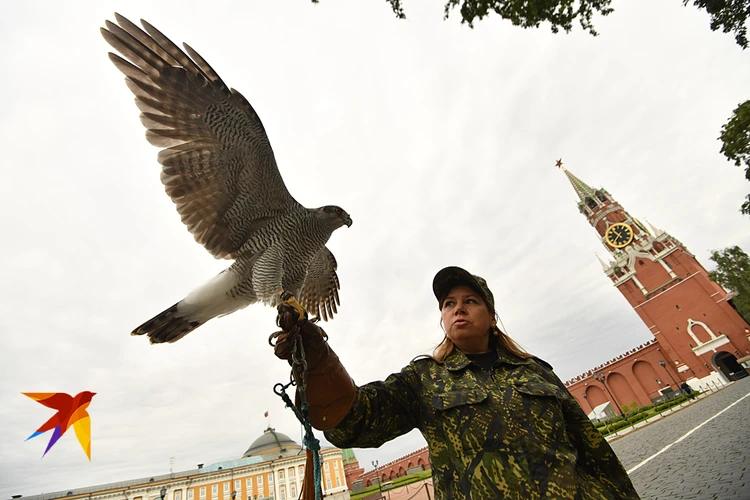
<point>320,292</point>
<point>217,163</point>
<point>54,400</point>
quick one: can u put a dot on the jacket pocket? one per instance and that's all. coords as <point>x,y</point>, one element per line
<point>453,399</point>
<point>540,389</point>
<point>542,428</point>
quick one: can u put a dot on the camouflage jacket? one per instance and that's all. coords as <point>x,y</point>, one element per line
<point>514,433</point>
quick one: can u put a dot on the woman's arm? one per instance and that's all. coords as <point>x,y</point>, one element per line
<point>358,416</point>
<point>381,412</point>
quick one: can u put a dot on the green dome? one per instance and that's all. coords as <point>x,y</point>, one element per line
<point>273,443</point>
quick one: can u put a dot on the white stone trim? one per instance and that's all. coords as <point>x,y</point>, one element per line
<point>711,345</point>
<point>640,286</point>
<point>691,323</point>
<point>666,268</point>
<point>668,289</point>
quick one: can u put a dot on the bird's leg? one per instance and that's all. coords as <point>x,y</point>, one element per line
<point>288,298</point>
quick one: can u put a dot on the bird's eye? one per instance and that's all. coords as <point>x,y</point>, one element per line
<point>338,211</point>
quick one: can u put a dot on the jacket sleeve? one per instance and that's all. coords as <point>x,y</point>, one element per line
<point>381,411</point>
<point>595,456</point>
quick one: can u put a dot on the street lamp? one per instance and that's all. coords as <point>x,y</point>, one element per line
<point>163,492</point>
<point>380,486</point>
<point>234,494</point>
<point>586,398</point>
<point>664,365</point>
<point>603,379</point>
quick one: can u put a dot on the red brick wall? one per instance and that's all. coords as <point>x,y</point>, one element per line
<point>398,467</point>
<point>352,472</point>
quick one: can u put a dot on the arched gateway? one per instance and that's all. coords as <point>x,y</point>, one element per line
<point>727,363</point>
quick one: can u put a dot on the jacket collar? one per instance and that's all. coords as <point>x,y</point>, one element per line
<point>457,360</point>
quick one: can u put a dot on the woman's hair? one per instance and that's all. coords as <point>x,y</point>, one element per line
<point>497,336</point>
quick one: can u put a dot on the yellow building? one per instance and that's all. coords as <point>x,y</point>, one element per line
<point>271,468</point>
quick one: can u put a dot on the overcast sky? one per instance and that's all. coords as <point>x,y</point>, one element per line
<point>439,140</point>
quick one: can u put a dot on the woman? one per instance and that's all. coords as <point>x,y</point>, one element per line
<point>498,421</point>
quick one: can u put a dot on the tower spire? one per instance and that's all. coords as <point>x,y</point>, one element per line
<point>582,189</point>
<point>605,266</point>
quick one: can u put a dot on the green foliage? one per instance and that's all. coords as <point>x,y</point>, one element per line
<point>638,417</point>
<point>669,403</point>
<point>616,426</point>
<point>525,13</point>
<point>532,13</point>
<point>637,414</point>
<point>733,273</point>
<point>631,408</point>
<point>727,15</point>
<point>397,483</point>
<point>735,139</point>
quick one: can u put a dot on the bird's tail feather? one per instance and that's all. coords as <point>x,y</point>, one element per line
<point>167,326</point>
<point>37,433</point>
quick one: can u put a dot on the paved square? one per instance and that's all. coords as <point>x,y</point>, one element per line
<point>710,463</point>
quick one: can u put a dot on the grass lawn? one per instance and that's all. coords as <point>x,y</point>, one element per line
<point>396,483</point>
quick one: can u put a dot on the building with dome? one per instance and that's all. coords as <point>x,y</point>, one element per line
<point>272,468</point>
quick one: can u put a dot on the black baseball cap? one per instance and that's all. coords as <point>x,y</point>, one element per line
<point>448,278</point>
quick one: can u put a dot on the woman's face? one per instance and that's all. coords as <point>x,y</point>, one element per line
<point>466,320</point>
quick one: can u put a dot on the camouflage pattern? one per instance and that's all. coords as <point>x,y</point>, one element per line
<point>514,433</point>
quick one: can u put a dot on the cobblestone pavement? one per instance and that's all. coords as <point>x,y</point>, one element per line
<point>710,463</point>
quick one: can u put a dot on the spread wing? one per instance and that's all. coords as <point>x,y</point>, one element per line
<point>55,400</point>
<point>320,292</point>
<point>217,163</point>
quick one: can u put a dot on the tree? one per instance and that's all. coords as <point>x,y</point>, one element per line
<point>735,138</point>
<point>733,273</point>
<point>729,15</point>
<point>524,13</point>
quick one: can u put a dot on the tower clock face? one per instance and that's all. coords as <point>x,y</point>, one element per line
<point>619,235</point>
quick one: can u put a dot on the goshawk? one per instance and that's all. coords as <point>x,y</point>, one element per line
<point>219,170</point>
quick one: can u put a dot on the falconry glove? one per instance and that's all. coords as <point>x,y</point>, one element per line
<point>330,391</point>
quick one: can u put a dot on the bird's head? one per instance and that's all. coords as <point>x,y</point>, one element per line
<point>86,396</point>
<point>337,216</point>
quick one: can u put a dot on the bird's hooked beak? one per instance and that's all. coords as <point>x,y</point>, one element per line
<point>348,221</point>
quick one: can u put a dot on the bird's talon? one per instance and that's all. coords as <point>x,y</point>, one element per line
<point>288,298</point>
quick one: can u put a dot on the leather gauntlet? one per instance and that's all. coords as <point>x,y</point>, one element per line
<point>330,390</point>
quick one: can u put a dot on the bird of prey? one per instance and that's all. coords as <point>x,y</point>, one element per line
<point>219,170</point>
<point>70,411</point>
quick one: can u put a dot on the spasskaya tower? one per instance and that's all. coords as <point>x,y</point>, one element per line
<point>697,329</point>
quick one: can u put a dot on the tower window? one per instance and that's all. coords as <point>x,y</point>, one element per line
<point>677,306</point>
<point>601,197</point>
<point>640,262</point>
<point>591,203</point>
